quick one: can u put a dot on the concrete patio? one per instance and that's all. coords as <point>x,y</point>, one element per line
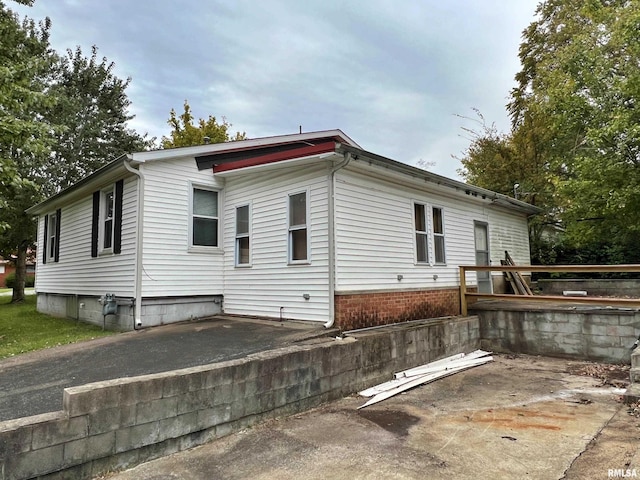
<point>518,417</point>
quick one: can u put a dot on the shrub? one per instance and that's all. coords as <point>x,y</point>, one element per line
<point>10,280</point>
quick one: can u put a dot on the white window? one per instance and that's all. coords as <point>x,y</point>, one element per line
<point>438,235</point>
<point>298,241</point>
<point>52,237</point>
<point>422,235</point>
<point>107,207</point>
<point>243,236</point>
<point>204,217</point>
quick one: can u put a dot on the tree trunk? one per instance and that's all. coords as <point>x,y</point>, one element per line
<point>21,274</point>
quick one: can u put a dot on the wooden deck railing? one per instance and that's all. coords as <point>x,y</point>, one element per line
<point>470,297</point>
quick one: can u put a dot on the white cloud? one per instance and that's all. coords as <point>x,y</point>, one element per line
<point>392,75</point>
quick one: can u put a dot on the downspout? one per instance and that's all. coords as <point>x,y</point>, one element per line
<point>138,254</point>
<point>331,180</point>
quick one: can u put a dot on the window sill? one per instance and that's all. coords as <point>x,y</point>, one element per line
<point>243,265</point>
<point>207,250</point>
<point>299,262</point>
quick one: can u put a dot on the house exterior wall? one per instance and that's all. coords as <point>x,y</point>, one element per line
<point>508,231</point>
<point>270,282</point>
<point>77,272</point>
<point>170,267</point>
<point>378,280</point>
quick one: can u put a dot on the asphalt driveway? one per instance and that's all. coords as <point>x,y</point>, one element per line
<point>33,383</point>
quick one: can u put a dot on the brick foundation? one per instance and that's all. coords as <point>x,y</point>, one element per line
<point>360,310</point>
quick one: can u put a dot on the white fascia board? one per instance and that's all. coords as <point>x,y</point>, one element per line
<point>201,150</point>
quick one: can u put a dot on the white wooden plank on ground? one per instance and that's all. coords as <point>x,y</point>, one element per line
<point>438,364</point>
<point>420,380</point>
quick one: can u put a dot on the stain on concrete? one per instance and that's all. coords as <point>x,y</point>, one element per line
<point>394,421</point>
<point>520,419</point>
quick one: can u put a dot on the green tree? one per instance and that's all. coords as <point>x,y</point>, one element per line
<point>185,134</point>
<point>515,164</point>
<point>25,137</point>
<point>581,73</point>
<point>61,118</point>
<point>92,111</point>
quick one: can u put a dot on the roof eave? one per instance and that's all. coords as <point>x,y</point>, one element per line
<point>80,188</point>
<point>496,198</point>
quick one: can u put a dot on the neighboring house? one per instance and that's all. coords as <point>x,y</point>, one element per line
<point>7,267</point>
<point>306,226</point>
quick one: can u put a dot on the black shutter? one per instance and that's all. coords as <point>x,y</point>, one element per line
<point>94,224</point>
<point>56,253</point>
<point>117,230</point>
<point>44,243</point>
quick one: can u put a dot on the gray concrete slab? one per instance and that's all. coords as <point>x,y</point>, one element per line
<point>519,417</point>
<point>33,383</point>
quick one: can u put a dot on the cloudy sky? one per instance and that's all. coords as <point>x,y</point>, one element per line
<point>394,76</point>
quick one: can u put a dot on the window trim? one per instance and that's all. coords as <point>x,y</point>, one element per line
<point>98,208</point>
<point>417,232</point>
<point>191,248</point>
<point>248,235</point>
<point>290,229</point>
<point>443,235</point>
<point>102,220</point>
<point>429,233</point>
<point>52,238</point>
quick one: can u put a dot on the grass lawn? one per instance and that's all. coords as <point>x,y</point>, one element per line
<point>23,329</point>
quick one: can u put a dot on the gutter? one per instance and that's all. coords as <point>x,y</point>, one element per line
<point>479,193</point>
<point>331,180</point>
<point>138,255</point>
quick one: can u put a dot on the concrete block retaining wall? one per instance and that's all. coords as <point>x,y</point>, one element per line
<point>114,424</point>
<point>593,287</point>
<point>598,334</point>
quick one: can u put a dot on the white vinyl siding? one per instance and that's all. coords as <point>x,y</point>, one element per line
<point>171,266</point>
<point>77,272</point>
<point>382,214</point>
<point>272,282</point>
<point>510,232</point>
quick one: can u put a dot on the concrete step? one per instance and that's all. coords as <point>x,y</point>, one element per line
<point>635,375</point>
<point>635,358</point>
<point>632,395</point>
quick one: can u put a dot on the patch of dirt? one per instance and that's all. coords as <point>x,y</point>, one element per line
<point>609,375</point>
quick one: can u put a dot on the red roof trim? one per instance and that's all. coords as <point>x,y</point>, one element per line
<point>305,151</point>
